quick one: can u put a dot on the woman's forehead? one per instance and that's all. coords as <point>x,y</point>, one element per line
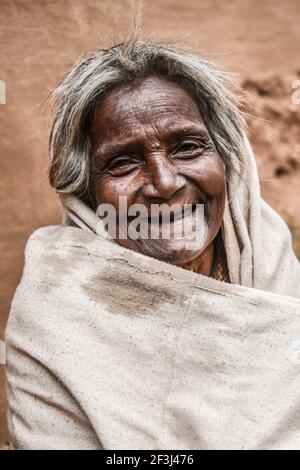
<point>154,102</point>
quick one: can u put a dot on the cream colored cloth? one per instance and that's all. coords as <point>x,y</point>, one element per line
<point>107,348</point>
<point>110,349</point>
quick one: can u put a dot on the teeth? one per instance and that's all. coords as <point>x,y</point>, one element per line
<point>173,216</point>
<point>159,219</point>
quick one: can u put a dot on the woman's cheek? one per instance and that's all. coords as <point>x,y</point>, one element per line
<point>213,180</point>
<point>109,191</point>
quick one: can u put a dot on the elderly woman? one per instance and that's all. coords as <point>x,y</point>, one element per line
<point>136,342</point>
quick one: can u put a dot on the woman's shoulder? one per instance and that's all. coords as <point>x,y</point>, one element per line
<point>46,280</point>
<point>52,235</point>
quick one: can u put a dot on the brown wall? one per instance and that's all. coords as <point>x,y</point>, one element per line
<point>40,39</point>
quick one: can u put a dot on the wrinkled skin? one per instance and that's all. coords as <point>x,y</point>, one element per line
<point>149,143</point>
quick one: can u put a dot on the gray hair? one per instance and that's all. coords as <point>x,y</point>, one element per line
<point>76,98</point>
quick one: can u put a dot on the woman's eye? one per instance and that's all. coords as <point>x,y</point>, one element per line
<point>187,148</point>
<point>120,163</point>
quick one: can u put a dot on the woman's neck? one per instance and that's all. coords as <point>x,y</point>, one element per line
<point>203,264</point>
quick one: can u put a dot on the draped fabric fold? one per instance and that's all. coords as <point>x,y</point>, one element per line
<point>110,349</point>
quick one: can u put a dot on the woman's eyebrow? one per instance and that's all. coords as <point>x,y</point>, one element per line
<point>109,148</point>
<point>168,134</point>
<point>196,129</point>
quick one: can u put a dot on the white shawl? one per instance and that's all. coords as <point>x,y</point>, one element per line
<point>107,348</point>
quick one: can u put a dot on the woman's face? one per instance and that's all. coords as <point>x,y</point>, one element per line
<point>150,144</point>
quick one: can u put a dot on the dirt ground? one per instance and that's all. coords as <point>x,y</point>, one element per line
<point>39,40</point>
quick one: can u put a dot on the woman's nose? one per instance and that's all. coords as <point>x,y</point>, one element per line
<point>163,181</point>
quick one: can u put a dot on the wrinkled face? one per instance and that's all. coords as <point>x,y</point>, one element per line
<point>150,144</point>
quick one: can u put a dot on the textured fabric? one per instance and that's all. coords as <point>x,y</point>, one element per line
<point>110,349</point>
<point>107,348</point>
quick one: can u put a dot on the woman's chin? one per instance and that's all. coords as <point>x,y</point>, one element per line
<point>176,252</point>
